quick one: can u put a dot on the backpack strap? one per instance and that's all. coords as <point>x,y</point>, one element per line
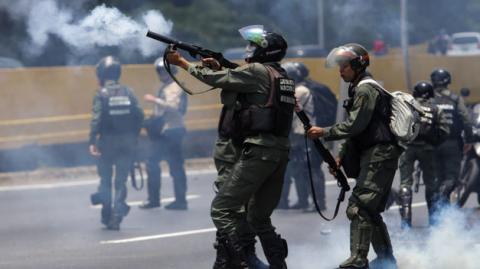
<point>374,82</point>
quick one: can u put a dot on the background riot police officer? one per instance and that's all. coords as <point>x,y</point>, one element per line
<point>114,129</point>
<point>261,130</point>
<point>433,131</point>
<point>372,149</point>
<point>448,155</point>
<point>166,130</point>
<point>297,168</point>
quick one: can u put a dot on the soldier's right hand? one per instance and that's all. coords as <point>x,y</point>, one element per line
<point>94,151</point>
<point>337,162</point>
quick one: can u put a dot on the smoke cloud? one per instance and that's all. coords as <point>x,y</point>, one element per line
<point>454,243</point>
<point>102,27</point>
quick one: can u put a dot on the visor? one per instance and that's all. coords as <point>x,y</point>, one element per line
<point>255,34</point>
<point>339,57</point>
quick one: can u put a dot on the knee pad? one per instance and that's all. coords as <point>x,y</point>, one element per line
<point>405,196</point>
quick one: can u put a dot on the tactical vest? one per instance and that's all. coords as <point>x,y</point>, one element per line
<point>429,124</point>
<point>275,116</point>
<point>449,105</point>
<point>118,110</point>
<point>377,130</point>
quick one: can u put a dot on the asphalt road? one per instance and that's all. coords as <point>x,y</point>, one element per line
<point>52,225</point>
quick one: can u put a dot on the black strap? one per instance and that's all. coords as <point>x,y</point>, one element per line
<point>137,166</point>
<point>167,66</point>
<point>341,195</point>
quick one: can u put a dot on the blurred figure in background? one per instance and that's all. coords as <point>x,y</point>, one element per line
<point>166,130</point>
<point>433,131</point>
<point>448,155</point>
<point>114,129</point>
<point>297,169</point>
<point>439,44</point>
<point>379,46</point>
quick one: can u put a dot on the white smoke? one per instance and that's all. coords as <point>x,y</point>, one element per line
<point>454,243</point>
<point>104,26</point>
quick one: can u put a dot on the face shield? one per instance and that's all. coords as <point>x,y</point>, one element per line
<point>340,57</point>
<point>254,34</point>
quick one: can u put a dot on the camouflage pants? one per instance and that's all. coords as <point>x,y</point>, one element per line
<point>448,158</point>
<point>367,201</point>
<point>255,180</point>
<point>425,156</point>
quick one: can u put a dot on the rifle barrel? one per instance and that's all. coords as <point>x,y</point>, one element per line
<point>168,40</point>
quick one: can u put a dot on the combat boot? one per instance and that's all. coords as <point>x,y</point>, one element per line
<point>360,237</point>
<point>222,260</point>
<point>275,249</point>
<point>236,252</point>
<point>253,261</point>
<point>114,223</point>
<point>383,247</point>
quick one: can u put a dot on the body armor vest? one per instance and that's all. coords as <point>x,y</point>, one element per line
<point>429,124</point>
<point>449,106</point>
<point>118,115</point>
<point>275,116</point>
<point>378,130</point>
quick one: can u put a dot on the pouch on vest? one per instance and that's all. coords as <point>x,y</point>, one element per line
<point>405,117</point>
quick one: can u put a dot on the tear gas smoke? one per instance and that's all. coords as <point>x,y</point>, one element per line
<point>103,27</point>
<point>453,243</point>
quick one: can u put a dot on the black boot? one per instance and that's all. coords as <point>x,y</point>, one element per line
<point>360,238</point>
<point>114,223</point>
<point>275,248</point>
<point>222,260</point>
<point>383,247</point>
<point>253,261</point>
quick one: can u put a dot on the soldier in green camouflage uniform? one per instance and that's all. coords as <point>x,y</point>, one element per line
<point>262,101</point>
<point>434,129</point>
<point>115,126</point>
<point>448,155</point>
<point>368,137</point>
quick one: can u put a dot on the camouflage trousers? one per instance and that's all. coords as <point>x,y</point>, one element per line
<point>255,182</point>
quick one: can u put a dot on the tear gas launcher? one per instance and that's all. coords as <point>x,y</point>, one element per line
<point>193,50</point>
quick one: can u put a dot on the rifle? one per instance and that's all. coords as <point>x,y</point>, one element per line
<point>332,164</point>
<point>193,50</point>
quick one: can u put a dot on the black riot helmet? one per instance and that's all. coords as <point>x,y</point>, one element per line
<point>108,68</point>
<point>423,89</point>
<point>354,54</point>
<point>296,71</point>
<point>440,78</point>
<point>263,46</point>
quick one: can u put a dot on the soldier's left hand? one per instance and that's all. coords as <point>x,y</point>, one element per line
<point>466,148</point>
<point>174,57</point>
<point>94,151</point>
<point>316,132</point>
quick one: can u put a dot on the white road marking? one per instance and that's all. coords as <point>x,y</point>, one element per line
<point>164,200</point>
<point>158,236</point>
<point>413,205</point>
<point>88,182</point>
<point>334,182</point>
